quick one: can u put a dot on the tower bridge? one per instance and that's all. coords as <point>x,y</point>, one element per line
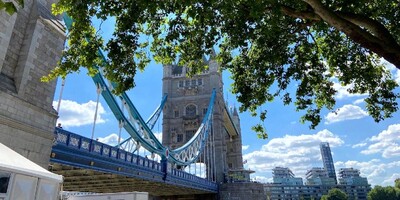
<point>197,126</point>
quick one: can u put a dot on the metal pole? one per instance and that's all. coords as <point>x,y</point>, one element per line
<point>203,161</point>
<point>121,123</point>
<point>97,107</point>
<point>213,144</point>
<point>208,159</point>
<point>60,97</point>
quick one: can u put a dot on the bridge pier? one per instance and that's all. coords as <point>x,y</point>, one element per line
<point>241,191</point>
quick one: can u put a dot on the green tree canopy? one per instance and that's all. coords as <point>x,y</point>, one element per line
<point>11,7</point>
<point>268,46</point>
<point>335,194</point>
<point>386,193</point>
<point>397,183</point>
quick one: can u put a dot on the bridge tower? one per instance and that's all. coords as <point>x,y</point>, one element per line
<point>187,103</point>
<point>31,42</point>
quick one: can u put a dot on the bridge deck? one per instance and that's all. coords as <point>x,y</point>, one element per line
<point>90,166</point>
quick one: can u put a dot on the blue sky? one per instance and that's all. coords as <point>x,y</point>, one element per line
<point>355,139</point>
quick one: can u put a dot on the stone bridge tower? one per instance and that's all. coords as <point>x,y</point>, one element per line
<point>187,103</point>
<point>31,42</point>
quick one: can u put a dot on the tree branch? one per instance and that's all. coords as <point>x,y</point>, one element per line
<point>391,52</point>
<point>300,14</point>
<point>376,28</point>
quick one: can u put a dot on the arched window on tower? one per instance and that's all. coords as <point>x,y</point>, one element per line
<point>191,110</point>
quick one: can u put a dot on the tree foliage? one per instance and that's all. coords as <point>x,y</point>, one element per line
<point>386,193</point>
<point>267,45</point>
<point>11,7</point>
<point>335,194</point>
<point>397,183</point>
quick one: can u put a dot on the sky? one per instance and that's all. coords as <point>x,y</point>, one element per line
<point>355,139</point>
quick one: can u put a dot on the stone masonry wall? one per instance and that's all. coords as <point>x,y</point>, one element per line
<point>31,42</point>
<point>241,191</point>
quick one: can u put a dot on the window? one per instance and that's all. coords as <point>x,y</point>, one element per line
<point>189,134</point>
<point>180,84</point>
<point>179,138</point>
<point>194,82</point>
<point>4,180</point>
<point>204,111</point>
<point>199,81</point>
<point>187,83</point>
<point>191,110</point>
<point>176,113</point>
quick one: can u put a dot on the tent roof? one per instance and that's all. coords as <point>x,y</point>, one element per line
<point>14,162</point>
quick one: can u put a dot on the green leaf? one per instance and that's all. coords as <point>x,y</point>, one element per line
<point>10,8</point>
<point>20,3</point>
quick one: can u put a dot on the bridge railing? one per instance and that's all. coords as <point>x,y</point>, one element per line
<point>75,141</point>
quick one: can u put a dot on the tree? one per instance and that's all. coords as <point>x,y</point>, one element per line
<point>335,194</point>
<point>387,193</point>
<point>11,7</point>
<point>289,49</point>
<point>397,183</point>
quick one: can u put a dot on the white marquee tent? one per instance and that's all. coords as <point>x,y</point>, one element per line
<point>22,179</point>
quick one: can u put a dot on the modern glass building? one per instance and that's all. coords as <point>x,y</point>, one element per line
<point>328,160</point>
<point>319,181</point>
<point>288,187</point>
<point>283,175</point>
<point>350,176</point>
<point>318,176</point>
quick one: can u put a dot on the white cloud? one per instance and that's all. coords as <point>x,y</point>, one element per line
<point>386,142</point>
<point>347,112</point>
<point>245,147</point>
<point>392,151</point>
<point>390,180</point>
<point>111,139</point>
<point>391,134</point>
<point>388,65</point>
<point>397,76</point>
<point>262,179</point>
<point>298,152</point>
<point>158,136</point>
<point>359,145</point>
<point>130,145</point>
<point>395,71</point>
<point>358,101</point>
<point>377,173</point>
<point>342,91</point>
<point>74,114</point>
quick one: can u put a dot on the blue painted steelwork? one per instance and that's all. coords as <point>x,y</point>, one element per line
<point>78,151</point>
<point>141,132</point>
<point>152,119</point>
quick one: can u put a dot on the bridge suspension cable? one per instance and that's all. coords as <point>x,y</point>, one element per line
<point>61,93</point>
<point>98,91</point>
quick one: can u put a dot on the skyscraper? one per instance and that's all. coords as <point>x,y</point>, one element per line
<point>328,160</point>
